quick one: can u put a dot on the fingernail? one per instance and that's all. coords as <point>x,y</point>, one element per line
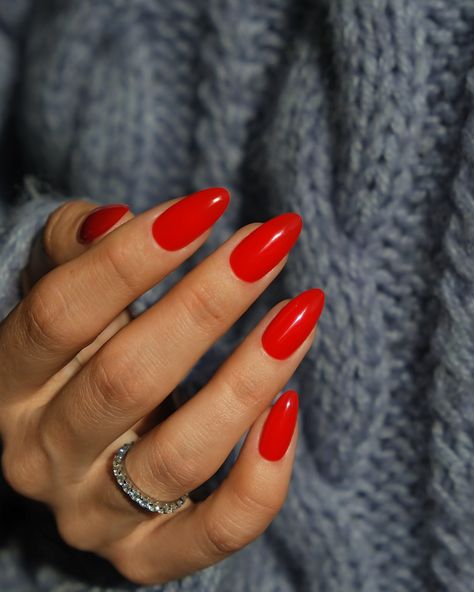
<point>263,248</point>
<point>100,220</point>
<point>293,323</point>
<point>188,218</point>
<point>279,427</point>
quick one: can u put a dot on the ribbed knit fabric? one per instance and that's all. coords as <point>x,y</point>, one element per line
<point>358,114</point>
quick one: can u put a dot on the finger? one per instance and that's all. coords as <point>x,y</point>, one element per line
<point>202,534</point>
<point>58,242</point>
<point>189,447</point>
<point>141,365</point>
<point>69,232</point>
<point>72,304</point>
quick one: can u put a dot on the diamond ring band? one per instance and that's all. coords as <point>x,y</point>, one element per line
<point>137,496</point>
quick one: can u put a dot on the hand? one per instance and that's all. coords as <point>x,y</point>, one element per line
<point>78,380</point>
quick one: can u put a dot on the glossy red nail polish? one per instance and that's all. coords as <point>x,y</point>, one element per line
<point>263,248</point>
<point>293,323</point>
<point>188,218</point>
<point>279,427</point>
<point>100,220</point>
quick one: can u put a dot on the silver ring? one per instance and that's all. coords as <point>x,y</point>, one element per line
<point>140,498</point>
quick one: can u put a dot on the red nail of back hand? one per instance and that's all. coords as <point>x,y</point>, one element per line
<point>279,427</point>
<point>293,323</point>
<point>263,248</point>
<point>188,218</point>
<point>100,220</point>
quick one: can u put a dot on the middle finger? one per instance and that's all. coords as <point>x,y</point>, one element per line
<point>135,370</point>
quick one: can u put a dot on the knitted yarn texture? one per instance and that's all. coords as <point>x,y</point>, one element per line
<point>359,115</point>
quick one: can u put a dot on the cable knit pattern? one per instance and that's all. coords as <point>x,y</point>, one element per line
<point>359,114</point>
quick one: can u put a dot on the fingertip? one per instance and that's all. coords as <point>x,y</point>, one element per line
<point>78,224</point>
<point>100,221</point>
<point>279,426</point>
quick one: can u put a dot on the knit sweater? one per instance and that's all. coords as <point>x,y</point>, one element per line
<point>359,115</point>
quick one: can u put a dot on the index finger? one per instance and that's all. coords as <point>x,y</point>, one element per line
<point>56,242</point>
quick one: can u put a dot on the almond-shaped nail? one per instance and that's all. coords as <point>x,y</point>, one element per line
<point>293,323</point>
<point>100,220</point>
<point>263,248</point>
<point>189,217</point>
<point>279,426</point>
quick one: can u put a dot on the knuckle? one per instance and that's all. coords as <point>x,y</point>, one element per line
<point>56,426</point>
<point>221,538</point>
<point>135,573</point>
<point>10,472</point>
<point>23,472</point>
<point>50,243</point>
<point>116,260</point>
<point>257,500</point>
<point>135,570</point>
<point>205,307</point>
<point>43,315</point>
<point>244,387</point>
<point>125,556</point>
<point>117,382</point>
<point>65,530</point>
<point>168,465</point>
<point>251,514</point>
<point>72,532</point>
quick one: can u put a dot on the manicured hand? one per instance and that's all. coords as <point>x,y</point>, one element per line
<point>79,378</point>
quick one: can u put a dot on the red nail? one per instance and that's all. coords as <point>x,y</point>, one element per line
<point>188,218</point>
<point>293,323</point>
<point>100,220</point>
<point>279,426</point>
<point>263,248</point>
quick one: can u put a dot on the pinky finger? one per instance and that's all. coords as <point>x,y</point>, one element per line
<point>235,514</point>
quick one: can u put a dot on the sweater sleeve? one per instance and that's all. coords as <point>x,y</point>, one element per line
<point>20,221</point>
<point>23,210</point>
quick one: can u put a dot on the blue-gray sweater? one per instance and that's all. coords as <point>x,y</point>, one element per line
<point>359,114</point>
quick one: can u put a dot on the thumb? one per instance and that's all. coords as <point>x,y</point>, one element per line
<point>69,231</point>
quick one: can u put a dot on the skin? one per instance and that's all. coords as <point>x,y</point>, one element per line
<point>78,378</point>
